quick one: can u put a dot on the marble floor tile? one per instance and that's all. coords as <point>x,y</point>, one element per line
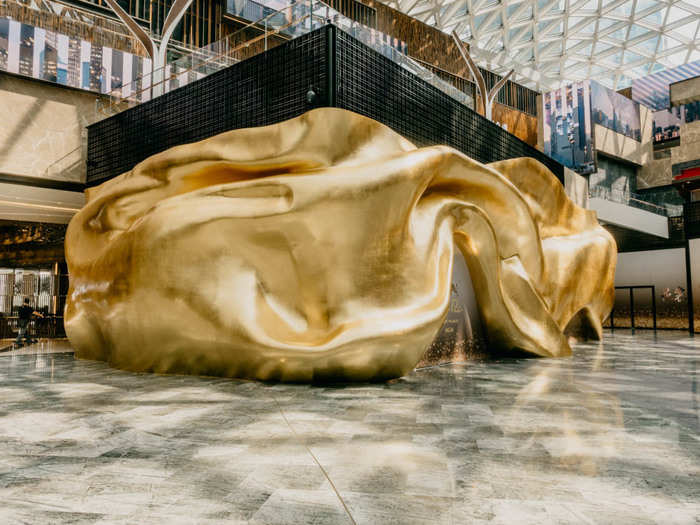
<point>301,507</point>
<point>610,435</point>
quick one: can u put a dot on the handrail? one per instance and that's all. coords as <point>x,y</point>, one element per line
<point>116,97</point>
<point>144,88</point>
<point>634,200</point>
<point>77,149</point>
<point>247,43</point>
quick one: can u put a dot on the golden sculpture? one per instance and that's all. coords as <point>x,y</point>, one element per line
<point>321,248</point>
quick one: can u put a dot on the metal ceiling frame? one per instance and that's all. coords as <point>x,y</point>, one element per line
<point>553,42</point>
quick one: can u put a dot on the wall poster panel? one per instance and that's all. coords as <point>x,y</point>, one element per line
<point>615,111</point>
<point>568,128</point>
<point>45,55</point>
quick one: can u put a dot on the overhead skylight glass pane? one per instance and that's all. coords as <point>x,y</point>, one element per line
<point>676,59</point>
<point>575,20</point>
<point>620,34</point>
<point>623,81</point>
<point>648,45</point>
<point>571,43</point>
<point>624,9</point>
<point>488,3</point>
<point>643,5</point>
<point>675,14</point>
<point>688,30</point>
<point>479,19</point>
<point>525,15</point>
<point>615,58</point>
<point>511,9</point>
<point>604,23</point>
<point>637,72</point>
<point>494,24</point>
<point>636,31</point>
<point>544,25</point>
<point>631,56</point>
<point>588,29</point>
<point>668,43</point>
<point>654,19</point>
<point>586,50</point>
<point>630,37</point>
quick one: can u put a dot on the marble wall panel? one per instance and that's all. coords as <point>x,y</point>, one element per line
<point>685,91</point>
<point>658,172</point>
<point>43,132</point>
<point>689,148</point>
<point>520,124</point>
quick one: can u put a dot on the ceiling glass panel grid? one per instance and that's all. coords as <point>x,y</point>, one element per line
<point>553,42</point>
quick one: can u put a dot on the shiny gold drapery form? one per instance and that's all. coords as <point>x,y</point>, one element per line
<point>321,248</point>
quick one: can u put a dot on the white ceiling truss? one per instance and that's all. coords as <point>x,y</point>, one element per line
<point>553,42</point>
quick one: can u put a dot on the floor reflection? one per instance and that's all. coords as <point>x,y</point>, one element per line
<point>607,436</point>
<point>580,433</point>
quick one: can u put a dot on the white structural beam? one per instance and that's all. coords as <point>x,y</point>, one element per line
<point>629,217</point>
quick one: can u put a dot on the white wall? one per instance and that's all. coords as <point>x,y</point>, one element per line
<point>662,268</point>
<point>695,273</point>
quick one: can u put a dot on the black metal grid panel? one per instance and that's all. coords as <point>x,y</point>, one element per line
<point>273,86</point>
<point>265,89</point>
<point>372,85</point>
<point>691,219</point>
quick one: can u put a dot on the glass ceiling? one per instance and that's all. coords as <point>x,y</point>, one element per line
<point>553,42</point>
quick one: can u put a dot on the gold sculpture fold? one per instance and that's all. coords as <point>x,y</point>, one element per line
<point>321,248</point>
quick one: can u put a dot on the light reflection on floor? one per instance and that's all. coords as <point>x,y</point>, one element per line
<point>608,436</point>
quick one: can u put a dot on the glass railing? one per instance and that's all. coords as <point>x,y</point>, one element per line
<point>366,36</point>
<point>287,23</point>
<point>636,201</point>
<point>290,22</point>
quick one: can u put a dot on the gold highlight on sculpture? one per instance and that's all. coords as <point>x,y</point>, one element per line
<point>321,248</point>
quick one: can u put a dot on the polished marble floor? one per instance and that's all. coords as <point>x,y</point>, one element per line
<point>608,436</point>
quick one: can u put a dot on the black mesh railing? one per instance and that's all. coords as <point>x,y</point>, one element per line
<point>676,228</point>
<point>691,219</point>
<point>643,202</point>
<point>372,85</point>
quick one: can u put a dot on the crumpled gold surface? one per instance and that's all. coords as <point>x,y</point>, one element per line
<point>321,248</point>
